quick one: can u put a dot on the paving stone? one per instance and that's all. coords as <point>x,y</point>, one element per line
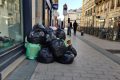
<point>62,78</point>
<point>72,74</point>
<point>106,76</point>
<point>99,79</point>
<point>81,78</point>
<point>55,73</point>
<point>95,72</point>
<point>43,77</point>
<point>89,75</point>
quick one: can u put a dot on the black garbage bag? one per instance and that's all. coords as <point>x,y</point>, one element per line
<point>67,58</point>
<point>45,56</point>
<point>1,38</point>
<point>60,34</point>
<point>58,47</point>
<point>37,36</point>
<point>72,49</point>
<point>50,34</point>
<point>38,26</point>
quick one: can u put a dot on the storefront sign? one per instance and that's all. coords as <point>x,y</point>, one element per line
<point>55,6</point>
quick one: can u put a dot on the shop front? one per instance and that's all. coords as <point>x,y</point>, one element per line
<point>17,18</point>
<point>11,28</point>
<point>15,24</point>
<point>11,31</point>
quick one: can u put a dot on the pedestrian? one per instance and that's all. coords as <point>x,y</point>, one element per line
<point>62,25</point>
<point>75,25</point>
<point>69,29</point>
<point>70,25</point>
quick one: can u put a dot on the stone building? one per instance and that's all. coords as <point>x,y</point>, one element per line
<point>73,14</point>
<point>101,14</point>
<point>108,14</point>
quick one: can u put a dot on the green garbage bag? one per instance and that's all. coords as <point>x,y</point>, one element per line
<point>65,43</point>
<point>32,50</point>
<point>6,44</point>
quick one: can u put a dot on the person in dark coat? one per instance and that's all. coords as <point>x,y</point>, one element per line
<point>75,25</point>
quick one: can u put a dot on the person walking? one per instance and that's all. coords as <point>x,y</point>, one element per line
<point>69,28</point>
<point>75,25</point>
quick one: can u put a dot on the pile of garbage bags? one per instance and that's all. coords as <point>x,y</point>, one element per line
<point>46,46</point>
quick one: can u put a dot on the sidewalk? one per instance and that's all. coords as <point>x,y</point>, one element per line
<point>88,65</point>
<point>105,44</point>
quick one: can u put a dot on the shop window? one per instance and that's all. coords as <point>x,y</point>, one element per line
<point>10,24</point>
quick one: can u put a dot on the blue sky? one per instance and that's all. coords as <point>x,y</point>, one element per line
<point>72,4</point>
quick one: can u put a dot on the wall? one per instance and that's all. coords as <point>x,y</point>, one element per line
<point>33,12</point>
<point>39,12</point>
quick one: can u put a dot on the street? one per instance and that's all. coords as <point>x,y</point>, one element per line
<point>88,65</point>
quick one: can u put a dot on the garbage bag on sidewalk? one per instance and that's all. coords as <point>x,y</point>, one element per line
<point>67,58</point>
<point>50,34</point>
<point>37,36</point>
<point>45,56</point>
<point>58,47</point>
<point>60,34</point>
<point>72,49</point>
<point>32,50</point>
<point>38,26</point>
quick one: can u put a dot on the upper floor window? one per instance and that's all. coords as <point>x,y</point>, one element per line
<point>112,4</point>
<point>118,3</point>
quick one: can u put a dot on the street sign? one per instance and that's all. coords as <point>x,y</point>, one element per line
<point>55,6</point>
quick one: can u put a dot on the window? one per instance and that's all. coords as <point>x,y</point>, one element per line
<point>112,4</point>
<point>106,7</point>
<point>118,3</point>
<point>10,24</point>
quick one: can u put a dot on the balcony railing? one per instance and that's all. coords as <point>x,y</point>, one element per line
<point>99,1</point>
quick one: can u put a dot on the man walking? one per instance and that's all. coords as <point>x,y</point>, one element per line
<point>75,27</point>
<point>69,28</point>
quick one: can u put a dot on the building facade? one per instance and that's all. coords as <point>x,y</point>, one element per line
<point>108,17</point>
<point>17,18</point>
<point>88,16</point>
<point>102,19</point>
<point>73,14</point>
